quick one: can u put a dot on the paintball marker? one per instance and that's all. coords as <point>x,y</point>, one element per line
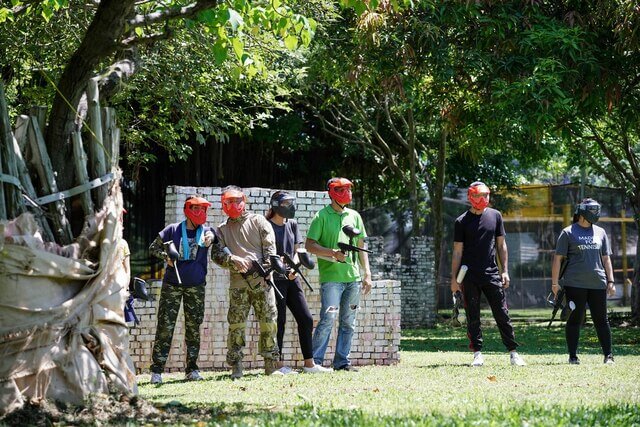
<point>557,301</point>
<point>259,270</point>
<point>305,261</point>
<point>558,304</point>
<point>137,290</point>
<point>351,233</point>
<point>174,255</point>
<point>457,304</point>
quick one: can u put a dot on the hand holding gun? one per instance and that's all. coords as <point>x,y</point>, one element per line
<point>457,305</point>
<point>558,304</point>
<point>305,261</point>
<point>276,265</point>
<point>351,233</point>
<point>174,255</point>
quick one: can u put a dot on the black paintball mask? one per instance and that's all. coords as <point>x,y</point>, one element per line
<point>589,209</point>
<point>284,204</point>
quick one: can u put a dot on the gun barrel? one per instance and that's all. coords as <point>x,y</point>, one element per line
<point>344,247</point>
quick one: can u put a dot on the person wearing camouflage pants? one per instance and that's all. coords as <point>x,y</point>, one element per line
<point>184,246</point>
<point>244,237</point>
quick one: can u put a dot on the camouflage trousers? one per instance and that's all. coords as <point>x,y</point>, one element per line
<point>263,302</point>
<point>192,299</point>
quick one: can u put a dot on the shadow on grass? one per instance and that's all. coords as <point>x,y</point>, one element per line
<point>309,415</point>
<point>534,338</point>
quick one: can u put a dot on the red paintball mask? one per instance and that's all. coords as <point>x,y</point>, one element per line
<point>340,190</point>
<point>195,208</point>
<point>233,203</point>
<point>478,195</point>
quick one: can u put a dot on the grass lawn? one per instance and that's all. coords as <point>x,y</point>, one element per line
<point>433,385</point>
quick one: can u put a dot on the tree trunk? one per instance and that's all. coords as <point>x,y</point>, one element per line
<point>99,42</point>
<point>438,207</point>
<point>413,182</point>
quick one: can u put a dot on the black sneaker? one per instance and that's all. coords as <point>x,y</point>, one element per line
<point>608,359</point>
<point>574,361</point>
<point>346,368</point>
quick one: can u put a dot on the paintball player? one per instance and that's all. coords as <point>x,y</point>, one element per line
<point>245,238</point>
<point>588,276</point>
<point>477,234</point>
<point>281,212</point>
<point>184,247</point>
<point>340,279</point>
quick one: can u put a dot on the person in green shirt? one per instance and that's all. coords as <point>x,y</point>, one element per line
<point>340,280</point>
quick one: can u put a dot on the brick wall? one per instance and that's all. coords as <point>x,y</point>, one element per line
<point>416,275</point>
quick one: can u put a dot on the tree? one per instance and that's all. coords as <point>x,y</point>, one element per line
<point>114,33</point>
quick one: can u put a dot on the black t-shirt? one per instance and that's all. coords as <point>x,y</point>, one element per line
<point>287,237</point>
<point>478,235</point>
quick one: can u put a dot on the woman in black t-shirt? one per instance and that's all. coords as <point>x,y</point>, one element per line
<point>288,241</point>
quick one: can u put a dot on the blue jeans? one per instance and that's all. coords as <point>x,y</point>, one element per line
<point>338,299</point>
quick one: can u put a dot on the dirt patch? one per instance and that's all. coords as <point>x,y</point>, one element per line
<point>106,410</point>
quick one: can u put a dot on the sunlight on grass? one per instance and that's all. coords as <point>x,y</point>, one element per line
<point>433,384</point>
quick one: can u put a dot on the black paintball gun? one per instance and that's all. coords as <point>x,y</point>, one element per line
<point>137,290</point>
<point>257,269</point>
<point>305,261</point>
<point>457,305</point>
<point>558,301</point>
<point>351,233</point>
<point>174,255</point>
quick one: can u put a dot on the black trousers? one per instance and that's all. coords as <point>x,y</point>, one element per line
<point>497,301</point>
<point>597,300</point>
<point>294,299</point>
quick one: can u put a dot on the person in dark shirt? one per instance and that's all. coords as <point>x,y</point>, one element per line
<point>184,281</point>
<point>587,278</point>
<point>478,233</point>
<point>288,240</point>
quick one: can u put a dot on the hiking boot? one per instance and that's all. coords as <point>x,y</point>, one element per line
<point>574,360</point>
<point>156,378</point>
<point>316,369</point>
<point>608,359</point>
<point>516,360</point>
<point>236,371</point>
<point>270,367</point>
<point>478,360</point>
<point>194,376</point>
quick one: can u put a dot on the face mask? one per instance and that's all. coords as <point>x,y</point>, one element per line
<point>343,197</point>
<point>479,203</point>
<point>198,217</point>
<point>233,210</point>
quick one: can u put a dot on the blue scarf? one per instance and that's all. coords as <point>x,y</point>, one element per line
<point>185,241</point>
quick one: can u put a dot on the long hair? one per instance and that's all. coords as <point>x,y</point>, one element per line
<point>271,213</point>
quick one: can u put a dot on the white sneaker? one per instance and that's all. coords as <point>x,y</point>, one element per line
<point>287,370</point>
<point>516,359</point>
<point>194,376</point>
<point>316,369</point>
<point>156,378</point>
<point>478,360</point>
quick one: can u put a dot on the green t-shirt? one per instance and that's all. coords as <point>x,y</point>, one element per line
<point>326,229</point>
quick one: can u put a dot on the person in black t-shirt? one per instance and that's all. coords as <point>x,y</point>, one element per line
<point>288,240</point>
<point>478,233</point>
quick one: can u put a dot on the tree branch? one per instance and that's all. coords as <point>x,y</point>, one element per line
<point>172,13</point>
